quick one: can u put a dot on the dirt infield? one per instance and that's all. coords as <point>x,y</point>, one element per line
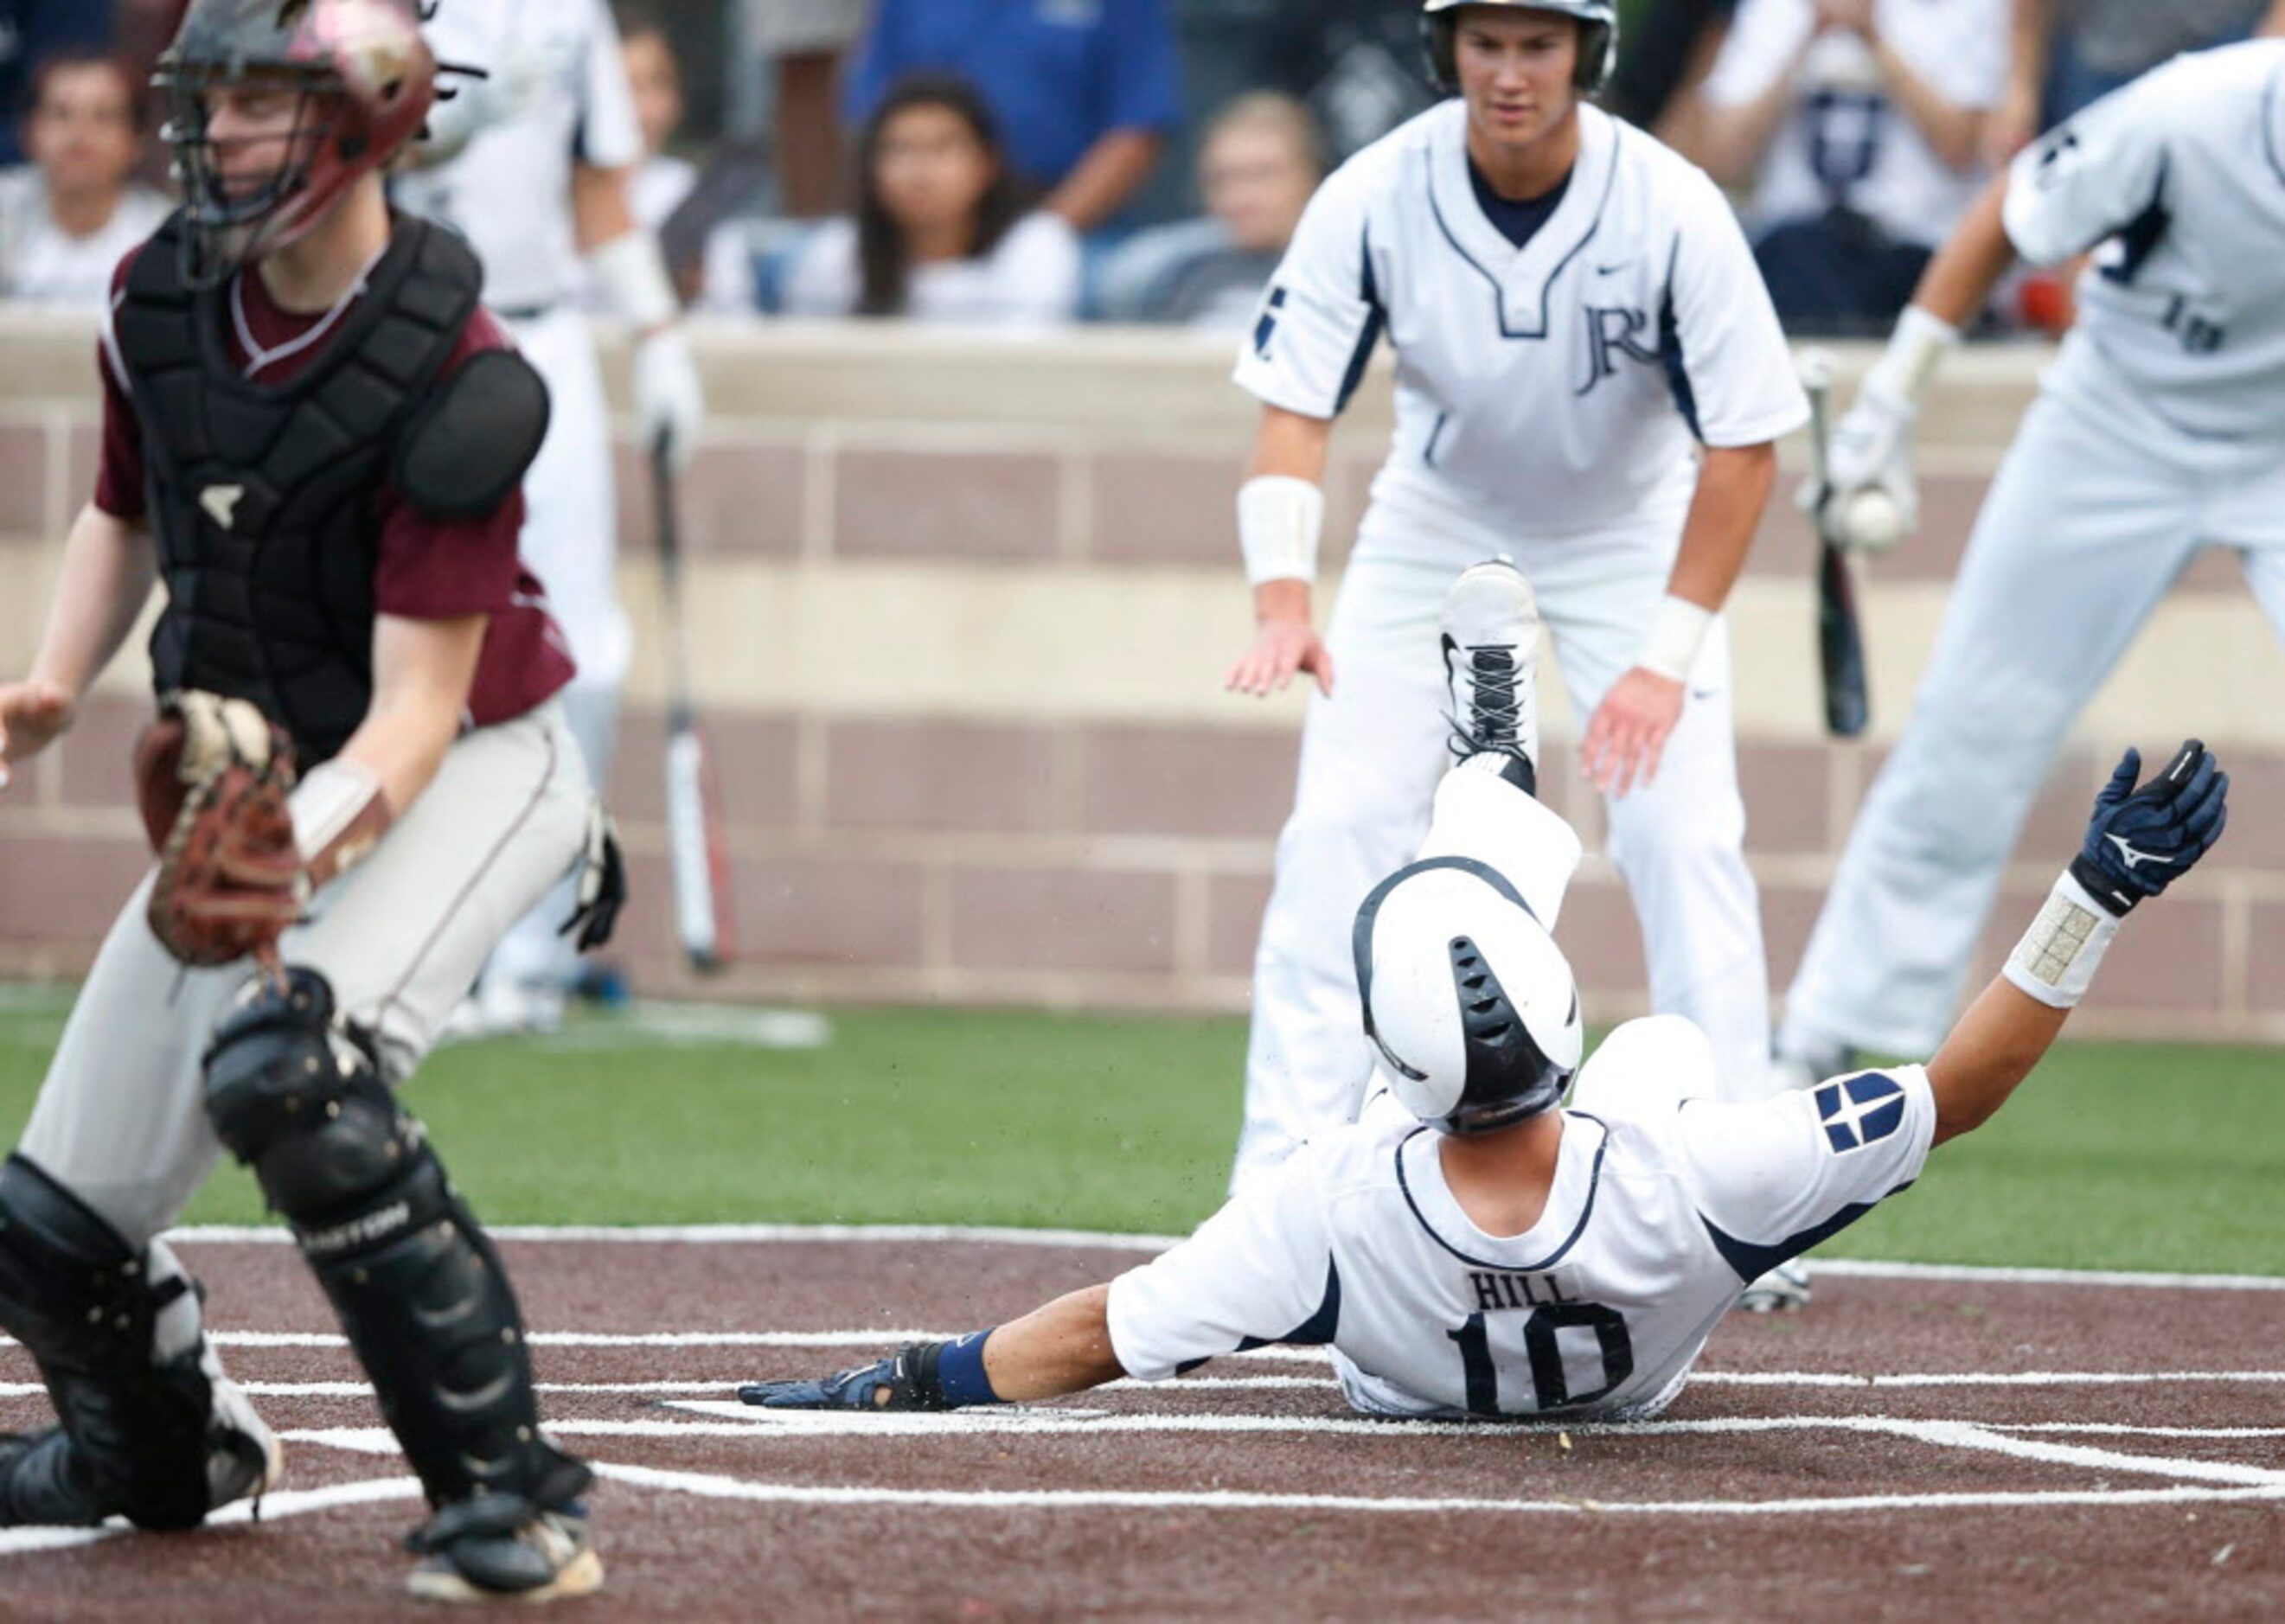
<point>1981,1446</point>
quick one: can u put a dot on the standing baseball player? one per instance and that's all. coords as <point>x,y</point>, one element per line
<point>312,441</point>
<point>543,153</point>
<point>2159,431</point>
<point>1590,377</point>
<point>1469,1248</point>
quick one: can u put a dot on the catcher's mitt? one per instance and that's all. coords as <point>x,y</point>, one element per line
<point>212,775</point>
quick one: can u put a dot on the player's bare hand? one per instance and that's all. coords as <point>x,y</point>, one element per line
<point>32,715</point>
<point>1282,649</point>
<point>1628,735</point>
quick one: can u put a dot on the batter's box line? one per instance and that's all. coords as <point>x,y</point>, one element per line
<point>737,1421</point>
<point>907,1235</point>
<point>716,1485</point>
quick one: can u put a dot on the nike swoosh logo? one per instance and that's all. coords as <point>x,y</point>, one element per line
<point>1606,270</point>
<point>2132,858</point>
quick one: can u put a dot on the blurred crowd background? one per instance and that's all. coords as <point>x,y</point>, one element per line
<point>1026,163</point>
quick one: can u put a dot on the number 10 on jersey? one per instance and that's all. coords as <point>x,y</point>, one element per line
<point>1535,1358</point>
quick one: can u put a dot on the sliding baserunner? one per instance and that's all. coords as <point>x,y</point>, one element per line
<point>1472,1247</point>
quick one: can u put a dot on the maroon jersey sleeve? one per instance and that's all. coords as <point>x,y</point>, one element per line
<point>118,476</point>
<point>447,569</point>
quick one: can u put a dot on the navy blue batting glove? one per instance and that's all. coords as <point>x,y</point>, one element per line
<point>899,1382</point>
<point>2142,840</point>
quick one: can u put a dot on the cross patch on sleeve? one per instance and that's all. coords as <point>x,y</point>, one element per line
<point>1860,1110</point>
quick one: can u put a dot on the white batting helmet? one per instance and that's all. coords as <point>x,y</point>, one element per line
<point>1472,1005</point>
<point>1598,36</point>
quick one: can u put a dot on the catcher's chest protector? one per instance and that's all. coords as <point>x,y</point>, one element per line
<point>263,496</point>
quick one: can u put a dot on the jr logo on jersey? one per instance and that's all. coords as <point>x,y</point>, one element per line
<point>1613,331</point>
<point>1860,1110</point>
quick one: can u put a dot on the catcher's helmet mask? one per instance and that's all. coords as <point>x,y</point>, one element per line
<point>364,80</point>
<point>1598,37</point>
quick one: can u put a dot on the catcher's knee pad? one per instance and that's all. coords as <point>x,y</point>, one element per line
<point>297,1095</point>
<point>81,1300</point>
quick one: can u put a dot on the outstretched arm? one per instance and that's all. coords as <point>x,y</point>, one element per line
<point>1063,1347</point>
<point>2140,841</point>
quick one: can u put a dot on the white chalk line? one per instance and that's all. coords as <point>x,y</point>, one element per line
<point>733,1420</point>
<point>895,1234</point>
<point>279,1504</point>
<point>717,1485</point>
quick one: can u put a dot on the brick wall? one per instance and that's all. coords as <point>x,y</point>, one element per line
<point>961,611</point>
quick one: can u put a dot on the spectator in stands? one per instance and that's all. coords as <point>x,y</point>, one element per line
<point>67,217</point>
<point>1263,159</point>
<point>1859,125</point>
<point>1670,48</point>
<point>2071,52</point>
<point>31,31</point>
<point>1086,90</point>
<point>942,232</point>
<point>806,42</point>
<point>697,212</point>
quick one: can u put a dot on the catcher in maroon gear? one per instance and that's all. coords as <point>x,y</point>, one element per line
<point>359,776</point>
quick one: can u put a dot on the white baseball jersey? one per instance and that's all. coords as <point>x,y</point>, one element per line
<point>2180,177</point>
<point>1664,1205</point>
<point>1547,389</point>
<point>509,190</point>
<point>41,263</point>
<point>1846,139</point>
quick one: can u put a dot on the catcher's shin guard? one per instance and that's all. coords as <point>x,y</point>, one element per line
<point>297,1095</point>
<point>137,1431</point>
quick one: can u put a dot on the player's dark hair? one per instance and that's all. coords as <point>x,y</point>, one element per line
<point>72,58</point>
<point>884,257</point>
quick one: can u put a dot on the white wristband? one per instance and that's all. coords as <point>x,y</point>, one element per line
<point>1677,634</point>
<point>1280,521</point>
<point>632,271</point>
<point>326,806</point>
<point>1902,374</point>
<point>2056,960</point>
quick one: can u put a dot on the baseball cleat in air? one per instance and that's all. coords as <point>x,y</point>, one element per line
<point>1491,663</point>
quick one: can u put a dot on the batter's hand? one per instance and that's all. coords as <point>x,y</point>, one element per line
<point>1871,451</point>
<point>670,400</point>
<point>32,715</point>
<point>1629,730</point>
<point>1282,647</point>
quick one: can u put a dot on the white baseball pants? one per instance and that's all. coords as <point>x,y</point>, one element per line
<point>2080,537</point>
<point>121,1119</point>
<point>570,542</point>
<point>1370,757</point>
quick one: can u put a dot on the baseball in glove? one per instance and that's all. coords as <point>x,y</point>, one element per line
<point>211,776</point>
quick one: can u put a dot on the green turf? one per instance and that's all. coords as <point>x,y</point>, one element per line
<point>2114,1156</point>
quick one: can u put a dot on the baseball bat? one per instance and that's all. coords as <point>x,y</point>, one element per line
<point>1840,635</point>
<point>693,827</point>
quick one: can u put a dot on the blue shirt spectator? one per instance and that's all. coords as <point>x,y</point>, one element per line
<point>1070,81</point>
<point>29,30</point>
